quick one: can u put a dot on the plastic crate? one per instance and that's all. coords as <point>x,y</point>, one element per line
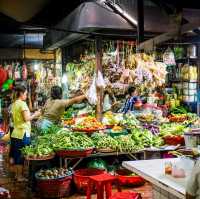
<point>126,180</point>
<point>126,195</point>
<point>81,178</point>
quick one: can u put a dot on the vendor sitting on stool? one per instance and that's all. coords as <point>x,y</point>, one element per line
<point>131,100</point>
<point>55,108</point>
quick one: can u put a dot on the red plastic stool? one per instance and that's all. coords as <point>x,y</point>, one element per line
<point>101,182</point>
<point>126,195</point>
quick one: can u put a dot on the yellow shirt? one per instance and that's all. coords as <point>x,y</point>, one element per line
<point>20,126</point>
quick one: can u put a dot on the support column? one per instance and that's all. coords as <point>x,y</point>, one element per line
<point>140,19</point>
<point>99,107</point>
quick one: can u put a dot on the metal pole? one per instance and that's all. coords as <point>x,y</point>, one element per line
<point>99,107</point>
<point>140,19</point>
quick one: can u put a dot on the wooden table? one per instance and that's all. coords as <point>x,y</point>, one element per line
<point>164,186</point>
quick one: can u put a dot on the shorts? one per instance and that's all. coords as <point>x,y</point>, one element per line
<point>16,147</point>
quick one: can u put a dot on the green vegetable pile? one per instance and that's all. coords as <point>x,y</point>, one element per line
<point>71,140</point>
<point>172,129</point>
<point>64,139</point>
<point>127,144</point>
<point>137,140</point>
<point>60,140</point>
<point>69,113</point>
<point>37,151</point>
<point>102,141</point>
<point>179,110</point>
<point>129,121</point>
<point>144,138</point>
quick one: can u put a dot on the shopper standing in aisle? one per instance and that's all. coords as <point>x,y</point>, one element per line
<point>55,107</point>
<point>20,136</point>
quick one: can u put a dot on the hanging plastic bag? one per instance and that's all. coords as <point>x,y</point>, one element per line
<point>24,72</point>
<point>92,93</point>
<point>125,76</point>
<point>100,81</point>
<point>168,57</point>
<point>17,74</point>
<point>106,103</point>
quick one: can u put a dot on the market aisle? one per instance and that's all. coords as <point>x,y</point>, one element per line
<point>20,190</point>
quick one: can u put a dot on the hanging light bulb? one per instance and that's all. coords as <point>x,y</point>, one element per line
<point>36,67</point>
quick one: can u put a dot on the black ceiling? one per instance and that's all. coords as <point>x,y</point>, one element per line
<point>54,11</point>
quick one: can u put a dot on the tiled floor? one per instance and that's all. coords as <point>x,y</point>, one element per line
<point>20,190</point>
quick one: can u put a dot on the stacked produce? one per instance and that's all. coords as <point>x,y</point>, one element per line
<point>129,121</point>
<point>60,140</point>
<point>88,124</point>
<point>145,138</point>
<point>103,141</point>
<point>79,74</point>
<point>172,133</point>
<point>37,151</point>
<point>110,118</point>
<point>145,71</point>
<point>54,173</point>
<point>172,129</point>
<point>65,140</point>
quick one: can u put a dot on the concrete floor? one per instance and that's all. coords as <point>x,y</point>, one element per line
<point>21,191</point>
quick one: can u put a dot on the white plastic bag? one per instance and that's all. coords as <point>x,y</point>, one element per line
<point>168,57</point>
<point>100,81</point>
<point>92,93</point>
<point>106,104</point>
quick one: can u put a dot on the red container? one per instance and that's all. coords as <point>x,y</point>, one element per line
<point>126,195</point>
<point>174,140</point>
<point>54,188</point>
<point>81,178</point>
<point>75,153</point>
<point>126,180</point>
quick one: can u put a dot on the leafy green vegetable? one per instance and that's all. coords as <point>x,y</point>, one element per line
<point>102,141</point>
<point>172,129</point>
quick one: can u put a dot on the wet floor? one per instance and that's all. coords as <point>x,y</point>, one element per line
<point>21,190</point>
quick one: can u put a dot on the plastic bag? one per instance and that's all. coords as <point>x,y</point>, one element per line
<point>125,76</point>
<point>92,93</point>
<point>100,81</point>
<point>106,104</point>
<point>168,57</point>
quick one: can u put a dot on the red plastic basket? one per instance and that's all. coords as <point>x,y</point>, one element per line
<point>81,178</point>
<point>174,140</point>
<point>54,188</point>
<point>75,153</point>
<point>126,195</point>
<point>126,180</point>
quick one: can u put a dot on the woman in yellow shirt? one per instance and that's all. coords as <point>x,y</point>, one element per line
<point>20,136</point>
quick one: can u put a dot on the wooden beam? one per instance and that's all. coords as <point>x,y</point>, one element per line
<point>149,44</point>
<point>99,107</point>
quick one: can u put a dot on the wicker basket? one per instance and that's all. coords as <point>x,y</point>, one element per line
<point>75,153</point>
<point>54,188</point>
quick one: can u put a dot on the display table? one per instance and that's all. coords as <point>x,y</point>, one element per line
<point>164,186</point>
